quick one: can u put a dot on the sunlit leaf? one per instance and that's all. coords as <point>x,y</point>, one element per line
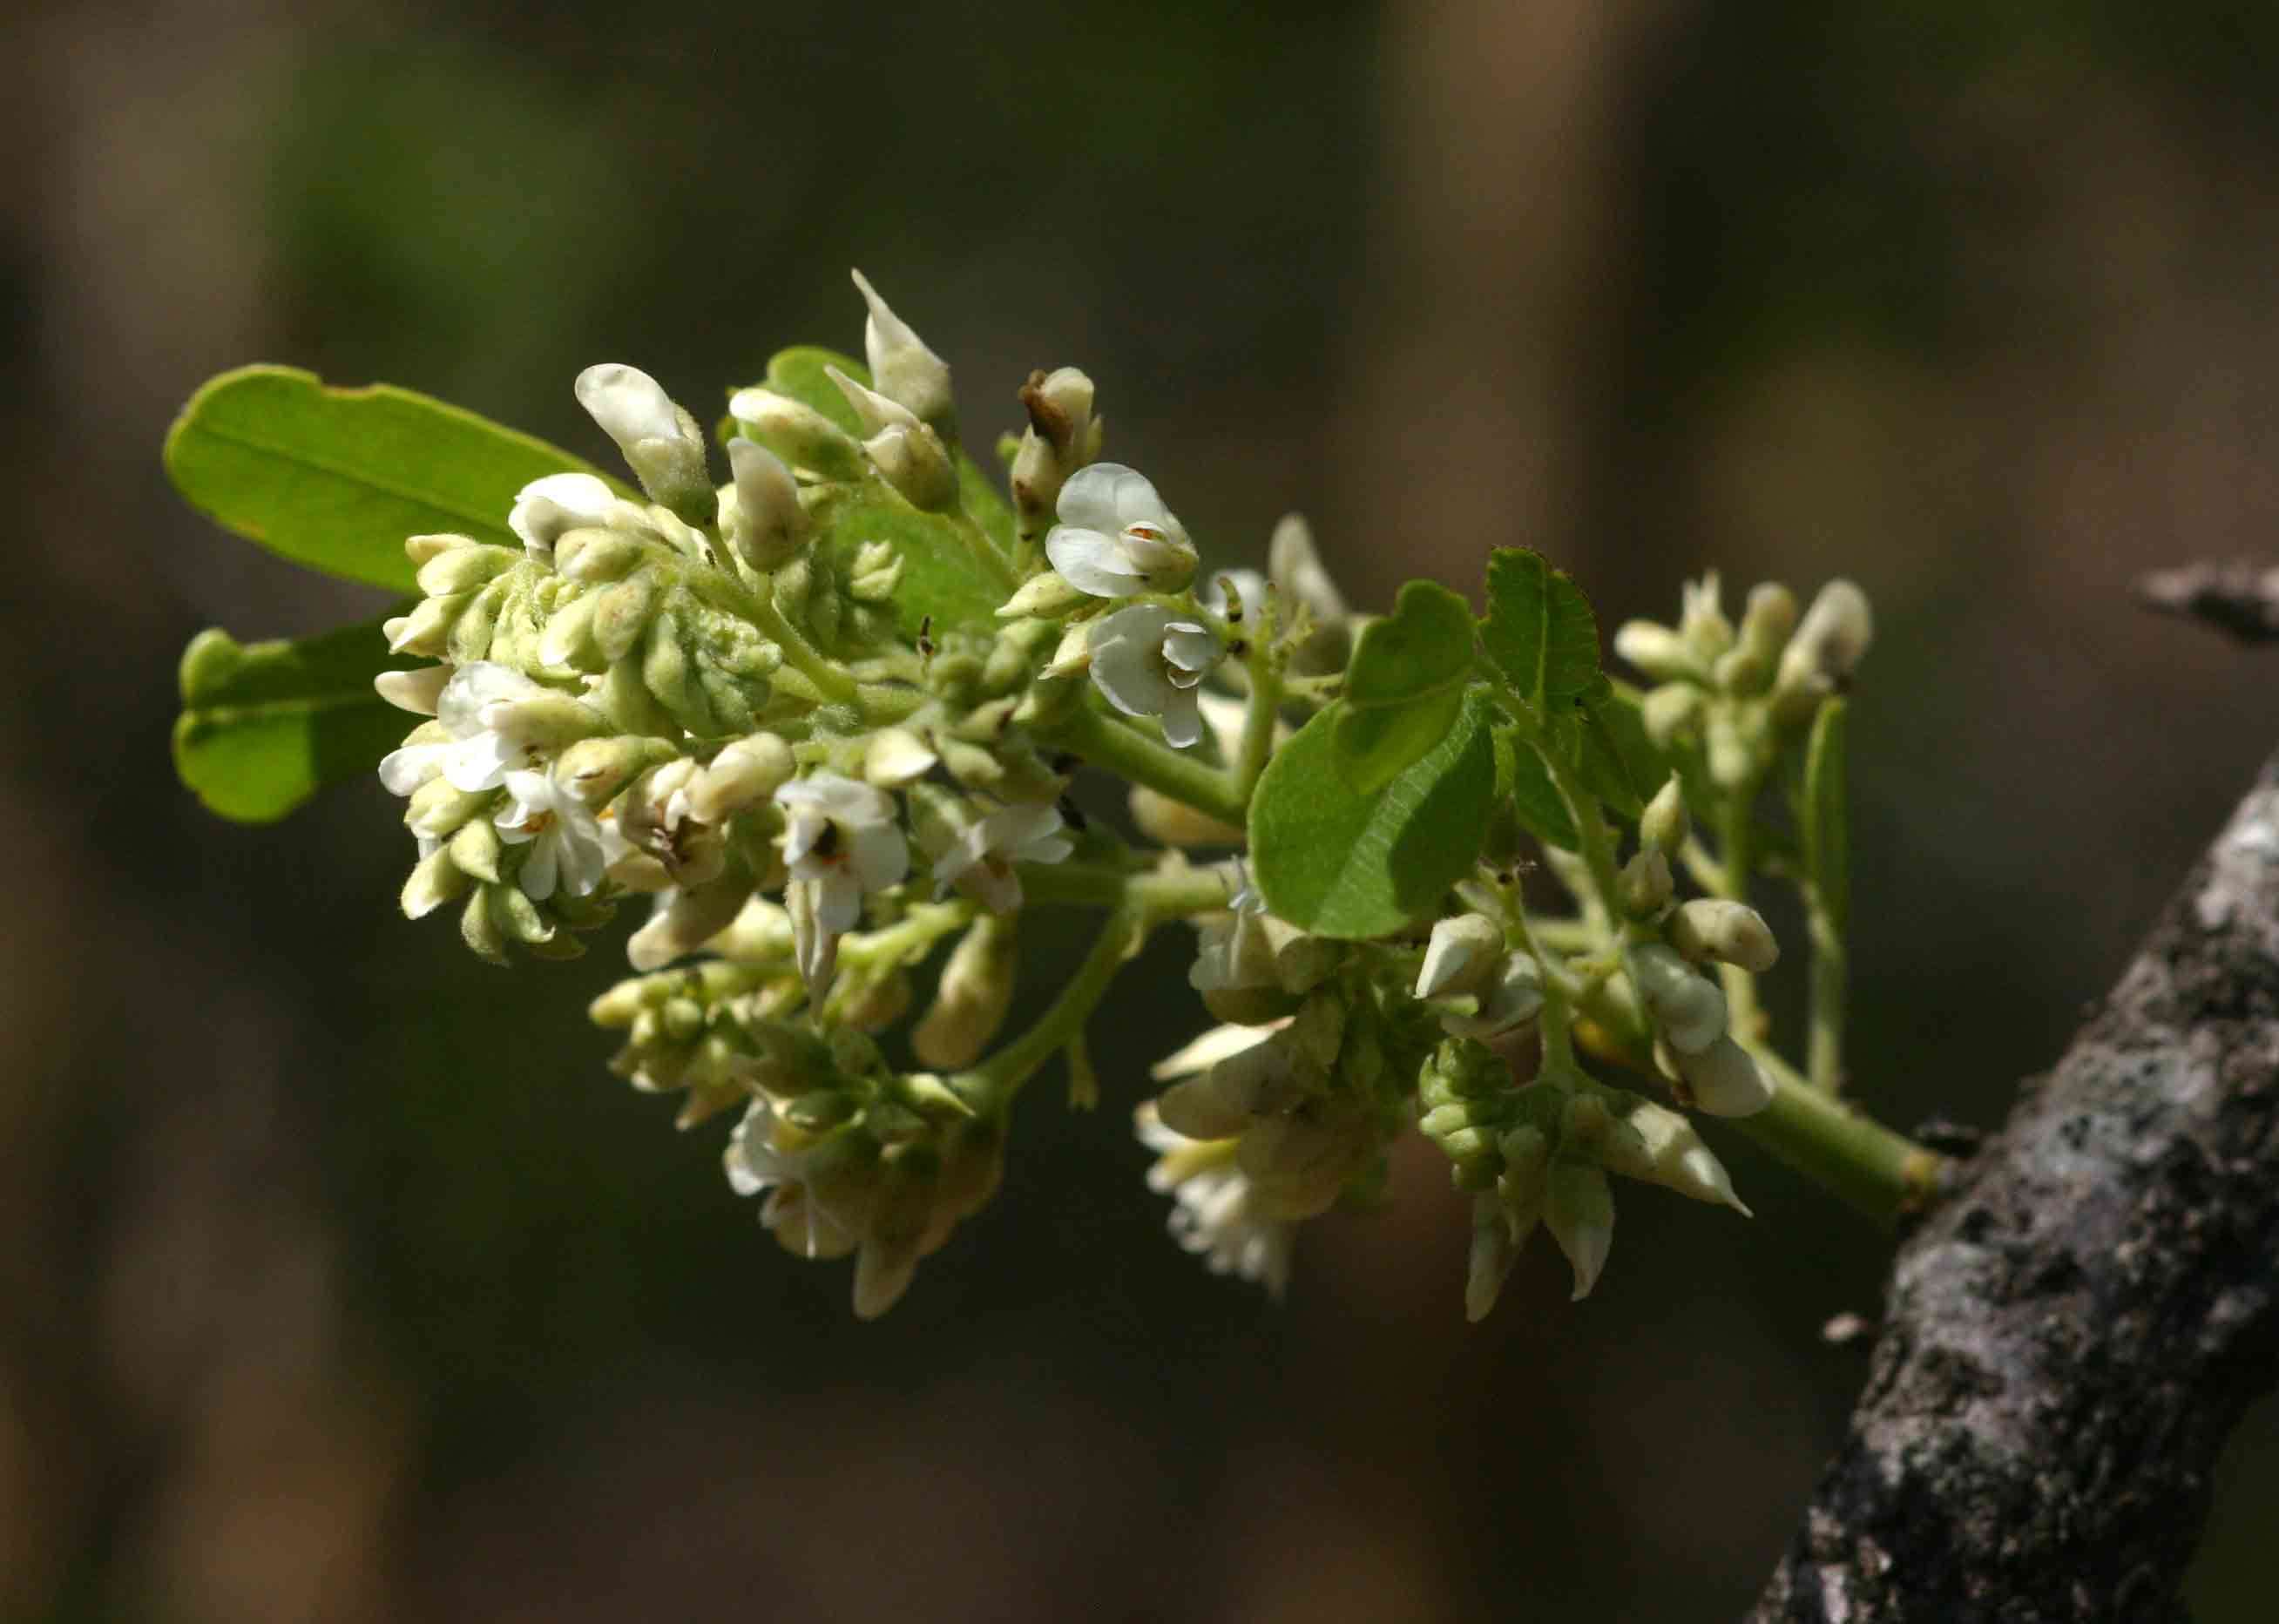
<point>1540,632</point>
<point>1341,862</point>
<point>1405,685</point>
<point>266,725</point>
<point>335,479</point>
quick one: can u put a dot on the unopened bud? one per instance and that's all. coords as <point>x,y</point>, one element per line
<point>548,509</point>
<point>1686,1006</point>
<point>595,555</point>
<point>416,691</point>
<point>1516,999</point>
<point>1724,1080</point>
<point>1175,823</point>
<point>435,880</point>
<point>660,441</point>
<point>1732,933</point>
<point>914,461</point>
<point>1747,667</point>
<point>770,526</point>
<point>426,630</point>
<point>567,643</point>
<point>1670,711</point>
<point>595,769</point>
<point>475,849</point>
<point>1496,1240</point>
<point>1048,597</point>
<point>976,990</point>
<point>1059,404</point>
<point>1701,620</point>
<point>438,807</point>
<point>1828,644</point>
<point>875,574</point>
<point>746,771</point>
<point>1462,956</point>
<point>797,433</point>
<point>901,365</point>
<point>621,614</point>
<point>1645,884</point>
<point>1659,1146</point>
<point>1578,1209</point>
<point>1662,826</point>
<point>1658,651</point>
<point>462,569</point>
<point>896,757</point>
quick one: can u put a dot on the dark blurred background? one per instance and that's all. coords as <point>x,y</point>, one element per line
<point>340,1281</point>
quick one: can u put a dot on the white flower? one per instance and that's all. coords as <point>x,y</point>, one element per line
<point>1461,956</point>
<point>755,1165</point>
<point>1220,1042</point>
<point>980,864</point>
<point>571,849</point>
<point>1116,538</point>
<point>841,842</point>
<point>1216,1217</point>
<point>499,721</point>
<point>418,691</point>
<point>1249,588</point>
<point>545,509</point>
<point>1148,662</point>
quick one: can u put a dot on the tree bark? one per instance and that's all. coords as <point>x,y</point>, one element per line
<point>2070,1335</point>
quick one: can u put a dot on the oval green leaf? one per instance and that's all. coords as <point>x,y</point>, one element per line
<point>1405,685</point>
<point>1540,632</point>
<point>266,725</point>
<point>1345,863</point>
<point>335,479</point>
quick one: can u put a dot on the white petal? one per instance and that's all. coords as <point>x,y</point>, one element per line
<point>403,771</point>
<point>805,829</point>
<point>838,901</point>
<point>1107,496</point>
<point>629,405</point>
<point>1219,1043</point>
<point>880,857</point>
<point>1050,849</point>
<point>474,687</point>
<point>1190,648</point>
<point>1183,723</point>
<point>416,691</point>
<point>547,507</point>
<point>538,872</point>
<point>1009,828</point>
<point>1093,562</point>
<point>480,763</point>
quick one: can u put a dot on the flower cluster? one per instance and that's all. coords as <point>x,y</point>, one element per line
<point>826,713</point>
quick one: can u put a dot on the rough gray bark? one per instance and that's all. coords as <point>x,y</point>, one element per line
<point>2072,1333</point>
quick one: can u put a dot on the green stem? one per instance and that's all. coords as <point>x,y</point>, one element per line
<point>1154,897</point>
<point>999,1077</point>
<point>1824,1047</point>
<point>1877,1173</point>
<point>1265,706</point>
<point>1131,754</point>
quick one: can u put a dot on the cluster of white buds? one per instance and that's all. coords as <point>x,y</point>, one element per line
<point>1733,690</point>
<point>1539,1153</point>
<point>1479,989</point>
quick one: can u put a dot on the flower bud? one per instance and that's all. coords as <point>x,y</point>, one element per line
<point>1048,597</point>
<point>422,550</point>
<point>1059,404</point>
<point>1687,1007</point>
<point>770,525</point>
<point>974,991</point>
<point>462,569</point>
<point>896,757</point>
<point>1659,1146</point>
<point>1831,639</point>
<point>1234,1094</point>
<point>1175,823</point>
<point>875,411</point>
<point>435,880</point>
<point>416,691</point>
<point>875,574</point>
<point>1747,667</point>
<point>438,807</point>
<point>548,509</point>
<point>1526,1154</point>
<point>621,614</point>
<point>1723,1080</point>
<point>568,642</point>
<point>478,924</point>
<point>1299,1163</point>
<point>901,365</point>
<point>915,462</point>
<point>1701,620</point>
<point>1732,933</point>
<point>1462,956</point>
<point>1658,651</point>
<point>1646,885</point>
<point>1495,1247</point>
<point>1662,826</point>
<point>1670,711</point>
<point>1578,1209</point>
<point>660,441</point>
<point>797,433</point>
<point>475,849</point>
<point>1516,999</point>
<point>760,935</point>
<point>745,770</point>
<point>685,921</point>
<point>426,630</point>
<point>593,555</point>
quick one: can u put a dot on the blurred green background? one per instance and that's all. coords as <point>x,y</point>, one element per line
<point>340,1281</point>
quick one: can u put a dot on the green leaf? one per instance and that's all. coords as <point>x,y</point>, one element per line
<point>1823,817</point>
<point>1405,685</point>
<point>336,479</point>
<point>941,579</point>
<point>266,725</point>
<point>1618,763</point>
<point>1540,632</point>
<point>1536,801</point>
<point>1343,862</point>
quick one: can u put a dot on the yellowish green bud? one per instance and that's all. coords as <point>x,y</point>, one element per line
<point>1732,933</point>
